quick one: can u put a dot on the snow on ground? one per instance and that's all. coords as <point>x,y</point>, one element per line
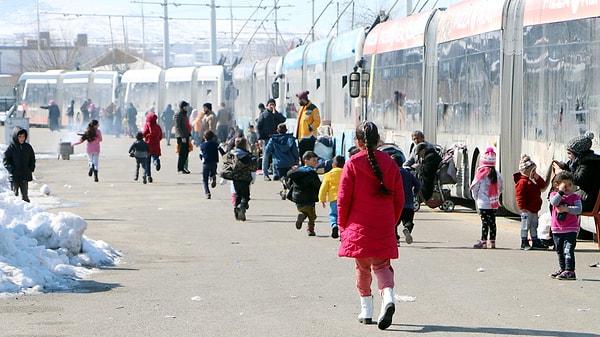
<point>42,251</point>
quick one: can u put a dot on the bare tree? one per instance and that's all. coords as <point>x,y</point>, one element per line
<point>53,53</point>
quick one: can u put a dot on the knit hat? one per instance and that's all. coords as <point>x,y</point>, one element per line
<point>488,158</point>
<point>303,95</point>
<point>422,146</point>
<point>581,144</point>
<point>526,164</point>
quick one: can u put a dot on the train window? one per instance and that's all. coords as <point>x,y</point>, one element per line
<point>560,79</point>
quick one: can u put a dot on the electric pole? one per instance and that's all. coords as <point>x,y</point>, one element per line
<point>166,49</point>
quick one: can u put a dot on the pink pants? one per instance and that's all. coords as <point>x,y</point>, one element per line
<point>382,269</point>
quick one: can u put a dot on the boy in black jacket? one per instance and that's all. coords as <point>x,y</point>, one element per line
<point>304,184</point>
<point>19,161</point>
<point>139,150</point>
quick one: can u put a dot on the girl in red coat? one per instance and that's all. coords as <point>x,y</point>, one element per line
<point>152,135</point>
<point>528,191</point>
<point>370,201</point>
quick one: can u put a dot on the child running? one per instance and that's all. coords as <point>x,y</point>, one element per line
<point>528,188</point>
<point>93,136</point>
<point>139,150</point>
<point>329,191</point>
<point>209,154</point>
<point>565,224</point>
<point>486,189</point>
<point>243,175</point>
<point>304,187</point>
<point>412,186</point>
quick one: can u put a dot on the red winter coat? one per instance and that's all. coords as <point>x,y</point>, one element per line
<point>529,193</point>
<point>366,217</point>
<point>152,133</point>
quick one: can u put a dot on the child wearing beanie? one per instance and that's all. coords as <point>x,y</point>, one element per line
<point>486,189</point>
<point>528,188</point>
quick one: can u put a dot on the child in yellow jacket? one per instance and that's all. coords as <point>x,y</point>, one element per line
<point>329,191</point>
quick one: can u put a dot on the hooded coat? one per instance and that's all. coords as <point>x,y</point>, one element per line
<point>427,170</point>
<point>366,217</point>
<point>585,170</point>
<point>19,159</point>
<point>528,192</point>
<point>152,133</point>
<point>284,150</point>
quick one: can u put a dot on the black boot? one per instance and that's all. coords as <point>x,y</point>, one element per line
<point>96,175</point>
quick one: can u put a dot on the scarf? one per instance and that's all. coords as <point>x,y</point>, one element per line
<point>482,172</point>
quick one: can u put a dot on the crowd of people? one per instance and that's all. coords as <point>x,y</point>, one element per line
<point>369,195</point>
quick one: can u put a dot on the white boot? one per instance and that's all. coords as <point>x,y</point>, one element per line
<point>366,312</point>
<point>387,309</point>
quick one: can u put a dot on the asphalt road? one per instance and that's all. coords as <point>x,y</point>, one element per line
<point>190,269</point>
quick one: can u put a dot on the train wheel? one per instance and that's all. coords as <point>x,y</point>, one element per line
<point>448,206</point>
<point>417,204</point>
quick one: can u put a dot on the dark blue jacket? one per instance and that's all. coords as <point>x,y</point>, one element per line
<point>284,150</point>
<point>209,152</point>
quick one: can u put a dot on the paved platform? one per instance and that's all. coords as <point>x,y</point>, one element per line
<point>190,269</point>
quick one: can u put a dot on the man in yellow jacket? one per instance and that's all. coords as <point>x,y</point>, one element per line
<point>309,120</point>
<point>329,191</point>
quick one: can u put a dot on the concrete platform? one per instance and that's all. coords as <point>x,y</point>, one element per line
<point>190,269</point>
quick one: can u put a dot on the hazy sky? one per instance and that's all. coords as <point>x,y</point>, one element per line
<point>191,17</point>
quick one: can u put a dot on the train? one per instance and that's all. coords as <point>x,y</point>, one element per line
<point>517,75</point>
<point>146,89</point>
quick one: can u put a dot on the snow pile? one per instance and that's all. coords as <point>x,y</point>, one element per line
<point>41,251</point>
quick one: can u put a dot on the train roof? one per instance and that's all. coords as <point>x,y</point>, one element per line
<point>141,76</point>
<point>293,59</point>
<point>544,11</point>
<point>317,51</point>
<point>402,33</point>
<point>469,18</point>
<point>348,44</point>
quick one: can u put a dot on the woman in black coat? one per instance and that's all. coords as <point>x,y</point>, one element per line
<point>585,165</point>
<point>427,169</point>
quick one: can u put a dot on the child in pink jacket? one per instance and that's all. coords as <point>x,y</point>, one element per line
<point>93,136</point>
<point>370,201</point>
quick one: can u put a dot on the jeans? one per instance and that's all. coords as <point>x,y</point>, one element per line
<point>265,163</point>
<point>208,170</point>
<point>565,243</point>
<point>333,213</point>
<point>152,159</point>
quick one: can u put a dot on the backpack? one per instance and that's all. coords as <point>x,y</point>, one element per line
<point>235,169</point>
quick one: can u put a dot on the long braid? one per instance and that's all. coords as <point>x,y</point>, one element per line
<point>369,135</point>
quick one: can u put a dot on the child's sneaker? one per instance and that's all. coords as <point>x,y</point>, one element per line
<point>299,220</point>
<point>556,273</point>
<point>538,245</point>
<point>492,244</point>
<point>525,245</point>
<point>407,236</point>
<point>567,275</point>
<point>480,244</point>
<point>334,232</point>
<point>144,180</point>
<point>241,213</point>
<point>311,232</point>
